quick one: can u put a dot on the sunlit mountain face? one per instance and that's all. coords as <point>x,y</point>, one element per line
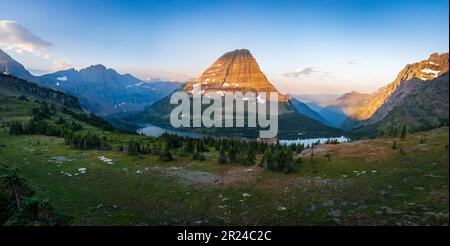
<point>235,71</point>
<point>408,82</point>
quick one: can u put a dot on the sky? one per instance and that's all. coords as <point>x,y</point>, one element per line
<point>303,46</point>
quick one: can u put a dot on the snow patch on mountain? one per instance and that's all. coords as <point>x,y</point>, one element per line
<point>431,71</point>
<point>62,78</point>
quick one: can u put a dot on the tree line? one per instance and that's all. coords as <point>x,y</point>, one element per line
<point>274,156</point>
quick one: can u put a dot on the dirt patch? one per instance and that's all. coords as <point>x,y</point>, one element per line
<point>316,150</point>
<point>190,177</point>
<point>240,175</point>
<point>233,176</point>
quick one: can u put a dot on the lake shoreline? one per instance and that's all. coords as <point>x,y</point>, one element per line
<point>156,131</point>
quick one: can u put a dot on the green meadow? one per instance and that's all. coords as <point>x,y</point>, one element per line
<point>365,182</point>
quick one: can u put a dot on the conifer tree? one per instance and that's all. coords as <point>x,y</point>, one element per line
<point>222,156</point>
<point>165,154</point>
<point>232,155</point>
<point>403,133</point>
<point>394,145</point>
<point>15,128</point>
<point>15,186</point>
<point>251,155</point>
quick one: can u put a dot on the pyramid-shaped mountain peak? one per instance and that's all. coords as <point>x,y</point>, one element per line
<point>235,71</point>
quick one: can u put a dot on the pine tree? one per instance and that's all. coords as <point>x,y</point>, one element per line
<point>251,155</point>
<point>16,128</point>
<point>15,186</point>
<point>403,133</point>
<point>222,156</point>
<point>394,145</point>
<point>133,147</point>
<point>197,155</point>
<point>60,121</point>
<point>232,155</point>
<point>186,148</point>
<point>265,160</point>
<point>289,165</point>
<point>165,154</point>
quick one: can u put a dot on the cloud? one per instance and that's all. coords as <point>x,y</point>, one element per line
<point>308,71</point>
<point>152,74</point>
<point>61,65</point>
<point>14,36</point>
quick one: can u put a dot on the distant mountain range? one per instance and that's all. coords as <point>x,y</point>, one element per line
<point>305,109</point>
<point>418,97</point>
<point>100,90</point>
<point>338,110</point>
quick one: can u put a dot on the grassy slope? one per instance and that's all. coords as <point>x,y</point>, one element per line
<point>410,188</point>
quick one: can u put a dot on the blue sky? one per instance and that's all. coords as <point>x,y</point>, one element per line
<point>304,47</point>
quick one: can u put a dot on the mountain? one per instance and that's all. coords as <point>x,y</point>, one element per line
<point>10,66</point>
<point>303,108</point>
<point>100,90</point>
<point>104,91</point>
<point>316,98</point>
<point>238,71</point>
<point>423,110</point>
<point>11,85</point>
<point>235,71</point>
<point>409,81</point>
<point>337,110</point>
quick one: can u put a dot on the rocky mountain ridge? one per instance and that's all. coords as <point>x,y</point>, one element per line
<point>100,90</point>
<point>408,82</point>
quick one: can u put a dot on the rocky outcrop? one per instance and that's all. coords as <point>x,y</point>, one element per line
<point>235,71</point>
<point>408,82</point>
